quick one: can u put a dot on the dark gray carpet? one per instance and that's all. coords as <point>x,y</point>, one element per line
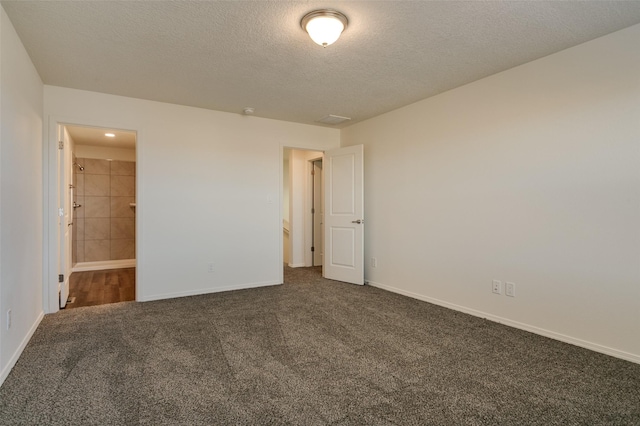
<point>309,352</point>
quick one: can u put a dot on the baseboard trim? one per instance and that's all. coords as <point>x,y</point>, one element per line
<point>522,326</point>
<point>104,264</point>
<point>207,291</point>
<point>16,355</point>
<point>297,265</point>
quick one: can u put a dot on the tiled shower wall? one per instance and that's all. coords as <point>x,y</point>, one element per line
<point>105,223</point>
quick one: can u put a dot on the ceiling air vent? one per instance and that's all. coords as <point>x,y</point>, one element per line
<point>333,119</point>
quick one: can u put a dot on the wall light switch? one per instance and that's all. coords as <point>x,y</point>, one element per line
<point>496,287</point>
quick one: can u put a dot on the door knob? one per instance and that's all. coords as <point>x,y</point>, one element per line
<point>359,221</point>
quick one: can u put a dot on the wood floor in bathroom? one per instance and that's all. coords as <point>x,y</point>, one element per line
<point>92,288</point>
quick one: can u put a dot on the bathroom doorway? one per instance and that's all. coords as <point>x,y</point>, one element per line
<point>102,242</point>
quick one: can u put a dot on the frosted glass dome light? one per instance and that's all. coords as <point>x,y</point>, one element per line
<point>324,26</point>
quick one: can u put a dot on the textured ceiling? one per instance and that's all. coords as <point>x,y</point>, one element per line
<point>226,55</point>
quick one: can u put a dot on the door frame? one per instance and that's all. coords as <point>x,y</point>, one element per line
<point>308,205</point>
<point>65,213</point>
<point>300,223</point>
<point>51,178</point>
<point>316,218</point>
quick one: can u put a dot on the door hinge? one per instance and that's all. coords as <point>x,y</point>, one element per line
<point>60,278</point>
<point>60,145</point>
<point>313,249</point>
<point>313,172</point>
<point>313,211</point>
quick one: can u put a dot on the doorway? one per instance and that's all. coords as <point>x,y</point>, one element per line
<point>97,229</point>
<point>317,213</point>
<point>302,209</point>
<point>340,189</point>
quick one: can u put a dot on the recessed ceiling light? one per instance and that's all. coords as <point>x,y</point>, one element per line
<point>110,135</point>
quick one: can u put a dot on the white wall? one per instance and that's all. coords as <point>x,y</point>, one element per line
<point>285,190</point>
<point>104,152</point>
<point>531,176</point>
<point>21,236</point>
<point>209,186</point>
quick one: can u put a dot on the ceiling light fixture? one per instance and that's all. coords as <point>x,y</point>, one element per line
<point>110,135</point>
<point>324,26</point>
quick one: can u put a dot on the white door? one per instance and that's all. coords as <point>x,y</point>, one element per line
<point>344,215</point>
<point>65,207</point>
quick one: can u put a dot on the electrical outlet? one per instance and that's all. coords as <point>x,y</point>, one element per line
<point>8,319</point>
<point>497,287</point>
<point>210,267</point>
<point>510,289</point>
<point>374,262</point>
